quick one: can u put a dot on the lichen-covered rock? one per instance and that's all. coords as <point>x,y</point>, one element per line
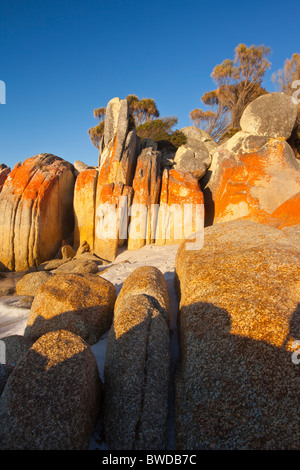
<point>251,176</point>
<point>84,207</point>
<point>36,211</point>
<point>146,186</point>
<point>111,221</point>
<point>137,376</point>
<point>181,207</point>
<point>273,115</point>
<point>30,283</point>
<point>239,317</point>
<point>289,212</point>
<point>82,304</point>
<point>51,399</point>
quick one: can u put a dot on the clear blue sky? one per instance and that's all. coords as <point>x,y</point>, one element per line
<point>61,59</point>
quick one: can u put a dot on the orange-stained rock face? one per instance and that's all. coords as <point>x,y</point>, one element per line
<point>250,180</point>
<point>181,210</point>
<point>84,207</point>
<point>289,212</point>
<point>146,186</point>
<point>111,218</point>
<point>36,211</point>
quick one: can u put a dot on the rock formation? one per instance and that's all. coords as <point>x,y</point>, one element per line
<point>146,188</point>
<point>239,316</point>
<point>52,398</point>
<point>194,156</point>
<point>82,304</point>
<point>255,171</point>
<point>181,208</point>
<point>137,366</point>
<point>36,211</point>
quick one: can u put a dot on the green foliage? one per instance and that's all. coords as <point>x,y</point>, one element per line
<point>229,133</point>
<point>96,133</point>
<point>161,130</point>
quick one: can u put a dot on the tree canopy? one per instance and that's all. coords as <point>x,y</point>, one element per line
<point>146,119</point>
<point>238,83</point>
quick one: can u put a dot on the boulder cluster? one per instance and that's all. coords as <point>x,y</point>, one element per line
<point>237,380</point>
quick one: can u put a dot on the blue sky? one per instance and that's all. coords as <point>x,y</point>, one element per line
<point>61,59</point>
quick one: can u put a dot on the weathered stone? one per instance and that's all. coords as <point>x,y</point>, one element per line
<point>4,291</point>
<point>81,266</point>
<point>250,177</point>
<point>273,115</point>
<point>118,151</point>
<point>84,207</point>
<point>146,186</point>
<point>5,371</point>
<point>30,283</point>
<point>35,211</point>
<point>196,137</point>
<point>137,376</point>
<point>150,281</point>
<point>52,264</point>
<point>67,252</point>
<point>195,163</point>
<point>289,212</point>
<point>82,304</point>
<point>112,203</point>
<point>181,209</point>
<point>80,166</point>
<point>84,247</point>
<point>51,400</point>
<point>239,317</point>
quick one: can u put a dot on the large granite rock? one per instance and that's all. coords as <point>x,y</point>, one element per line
<point>52,398</point>
<point>150,281</point>
<point>195,163</point>
<point>273,115</point>
<point>30,283</point>
<point>181,207</point>
<point>119,147</point>
<point>137,370</point>
<point>84,207</point>
<point>112,214</point>
<point>289,212</point>
<point>36,211</point>
<point>146,187</point>
<point>82,304</point>
<point>197,137</point>
<point>194,156</point>
<point>250,176</point>
<point>237,386</point>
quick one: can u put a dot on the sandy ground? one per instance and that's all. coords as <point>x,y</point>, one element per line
<point>13,316</point>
